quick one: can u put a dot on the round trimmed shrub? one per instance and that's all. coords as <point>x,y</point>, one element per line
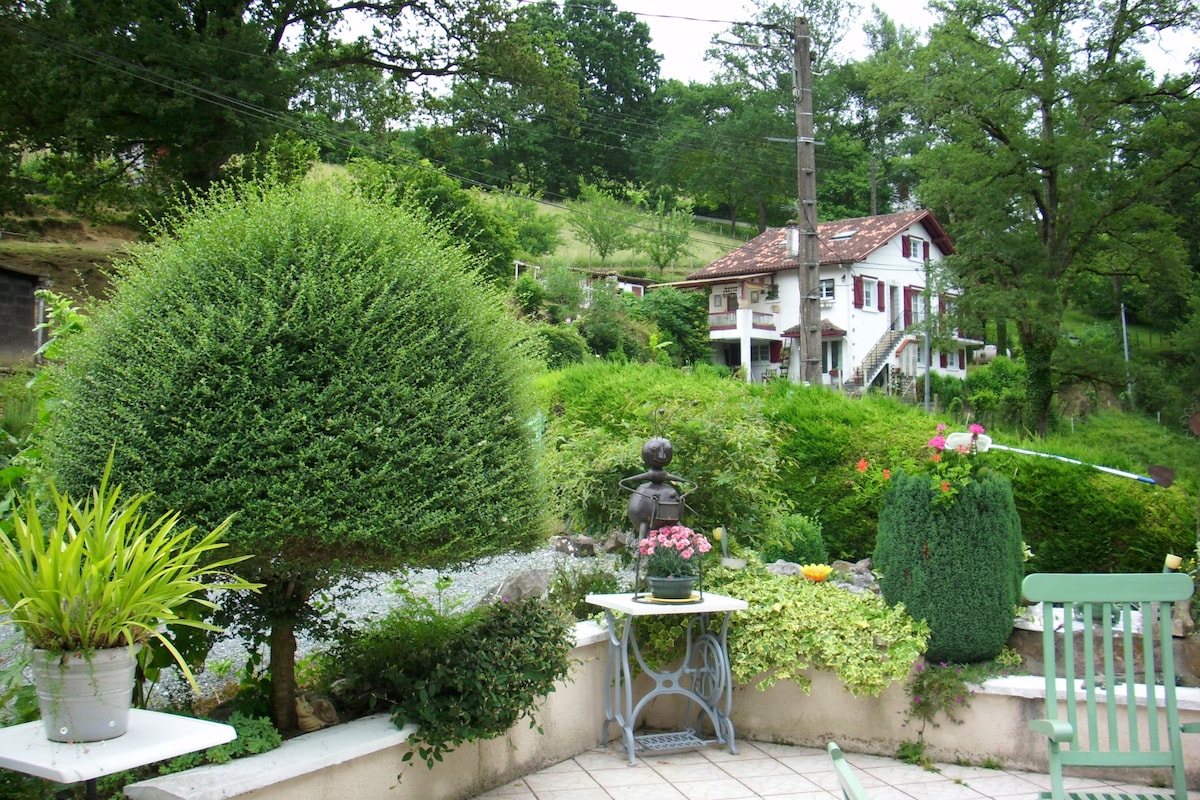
<point>957,566</point>
<point>329,369</point>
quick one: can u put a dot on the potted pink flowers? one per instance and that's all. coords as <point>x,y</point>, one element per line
<point>672,556</point>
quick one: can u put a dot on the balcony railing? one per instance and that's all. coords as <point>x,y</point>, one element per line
<point>760,320</point>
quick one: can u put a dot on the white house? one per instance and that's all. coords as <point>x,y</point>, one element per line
<point>872,298</point>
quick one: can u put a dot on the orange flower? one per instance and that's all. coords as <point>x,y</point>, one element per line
<point>816,572</point>
<point>887,474</point>
<point>945,486</point>
<point>862,465</point>
<point>936,457</point>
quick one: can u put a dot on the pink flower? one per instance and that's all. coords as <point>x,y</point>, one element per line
<point>938,442</point>
<point>941,427</point>
<point>975,429</point>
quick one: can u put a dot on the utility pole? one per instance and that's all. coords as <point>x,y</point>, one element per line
<point>806,195</point>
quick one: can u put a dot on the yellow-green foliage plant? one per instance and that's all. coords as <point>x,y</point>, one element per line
<point>794,624</point>
<point>105,575</point>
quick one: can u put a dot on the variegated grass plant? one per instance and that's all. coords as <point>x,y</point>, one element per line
<point>104,576</point>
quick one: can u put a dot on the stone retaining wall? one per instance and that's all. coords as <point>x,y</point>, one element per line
<point>363,759</point>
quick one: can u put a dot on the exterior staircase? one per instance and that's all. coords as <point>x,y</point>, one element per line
<point>877,358</point>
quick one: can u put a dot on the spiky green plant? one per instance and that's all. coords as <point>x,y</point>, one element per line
<point>104,575</point>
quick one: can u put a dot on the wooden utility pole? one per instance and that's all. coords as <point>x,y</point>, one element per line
<point>806,194</point>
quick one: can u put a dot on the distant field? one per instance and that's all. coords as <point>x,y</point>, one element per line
<point>708,243</point>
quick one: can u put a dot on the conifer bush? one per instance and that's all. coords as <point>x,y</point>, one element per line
<point>957,565</point>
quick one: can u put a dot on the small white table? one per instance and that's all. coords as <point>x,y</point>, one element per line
<point>152,736</point>
<point>703,677</point>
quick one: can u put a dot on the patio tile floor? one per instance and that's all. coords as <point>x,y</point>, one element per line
<point>763,771</point>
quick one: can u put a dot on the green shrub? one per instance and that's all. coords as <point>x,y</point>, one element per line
<point>958,566</point>
<point>329,369</point>
<point>458,678</point>
<point>600,414</point>
<point>563,345</point>
<point>1078,519</point>
<point>795,538</point>
<point>822,436</point>
<point>570,585</point>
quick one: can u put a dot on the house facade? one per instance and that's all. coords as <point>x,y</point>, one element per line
<point>873,277</point>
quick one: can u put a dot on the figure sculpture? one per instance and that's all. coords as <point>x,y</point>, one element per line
<point>657,500</point>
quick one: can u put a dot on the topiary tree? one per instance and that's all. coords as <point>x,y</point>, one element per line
<point>957,565</point>
<point>328,369</point>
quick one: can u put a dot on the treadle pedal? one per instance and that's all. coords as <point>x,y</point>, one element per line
<point>667,742</point>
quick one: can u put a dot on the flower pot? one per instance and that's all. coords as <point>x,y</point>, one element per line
<point>672,588</point>
<point>84,696</point>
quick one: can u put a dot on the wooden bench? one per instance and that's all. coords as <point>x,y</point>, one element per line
<point>1098,670</point>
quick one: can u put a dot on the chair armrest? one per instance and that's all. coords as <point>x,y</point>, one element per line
<point>1190,727</point>
<point>1054,729</point>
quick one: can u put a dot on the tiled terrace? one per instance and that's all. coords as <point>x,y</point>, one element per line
<point>775,772</point>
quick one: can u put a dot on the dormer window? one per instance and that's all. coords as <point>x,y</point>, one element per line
<point>914,247</point>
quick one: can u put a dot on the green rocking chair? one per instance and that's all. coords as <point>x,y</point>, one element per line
<point>851,788</point>
<point>1097,678</point>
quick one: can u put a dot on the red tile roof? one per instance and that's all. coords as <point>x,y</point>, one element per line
<point>767,252</point>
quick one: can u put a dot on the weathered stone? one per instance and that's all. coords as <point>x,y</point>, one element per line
<point>521,586</point>
<point>579,546</point>
<point>782,567</point>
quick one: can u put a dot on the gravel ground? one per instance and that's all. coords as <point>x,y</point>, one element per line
<point>373,596</point>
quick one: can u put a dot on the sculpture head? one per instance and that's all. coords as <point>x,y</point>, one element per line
<point>657,452</point>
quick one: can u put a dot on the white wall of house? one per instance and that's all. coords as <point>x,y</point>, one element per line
<point>887,271</point>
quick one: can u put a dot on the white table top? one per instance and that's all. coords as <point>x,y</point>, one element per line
<point>625,603</point>
<point>152,736</point>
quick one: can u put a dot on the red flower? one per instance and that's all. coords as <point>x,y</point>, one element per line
<point>945,486</point>
<point>887,474</point>
<point>862,465</point>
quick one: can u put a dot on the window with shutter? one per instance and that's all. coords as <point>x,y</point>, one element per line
<point>925,250</point>
<point>905,247</point>
<point>858,292</point>
<point>945,361</point>
<point>879,296</point>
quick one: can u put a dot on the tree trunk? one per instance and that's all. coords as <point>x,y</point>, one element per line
<point>283,675</point>
<point>1039,346</point>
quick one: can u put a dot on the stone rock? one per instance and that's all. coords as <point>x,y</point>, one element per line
<point>521,586</point>
<point>782,567</point>
<point>579,546</point>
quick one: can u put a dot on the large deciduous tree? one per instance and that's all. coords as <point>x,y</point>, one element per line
<point>182,86</point>
<point>1049,151</point>
<point>327,369</point>
<point>552,140</point>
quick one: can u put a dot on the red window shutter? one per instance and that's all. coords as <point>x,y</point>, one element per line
<point>962,359</point>
<point>909,294</point>
<point>858,292</point>
<point>925,249</point>
<point>945,361</point>
<point>776,351</point>
<point>905,247</point>
<point>879,296</point>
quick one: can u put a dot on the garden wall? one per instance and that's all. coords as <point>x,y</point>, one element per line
<point>364,758</point>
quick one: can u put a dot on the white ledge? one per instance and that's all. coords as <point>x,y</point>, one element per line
<point>1034,687</point>
<point>295,757</point>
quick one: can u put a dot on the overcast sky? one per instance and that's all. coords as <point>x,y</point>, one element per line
<point>681,31</point>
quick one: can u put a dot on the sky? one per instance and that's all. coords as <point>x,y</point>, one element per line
<point>681,31</point>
